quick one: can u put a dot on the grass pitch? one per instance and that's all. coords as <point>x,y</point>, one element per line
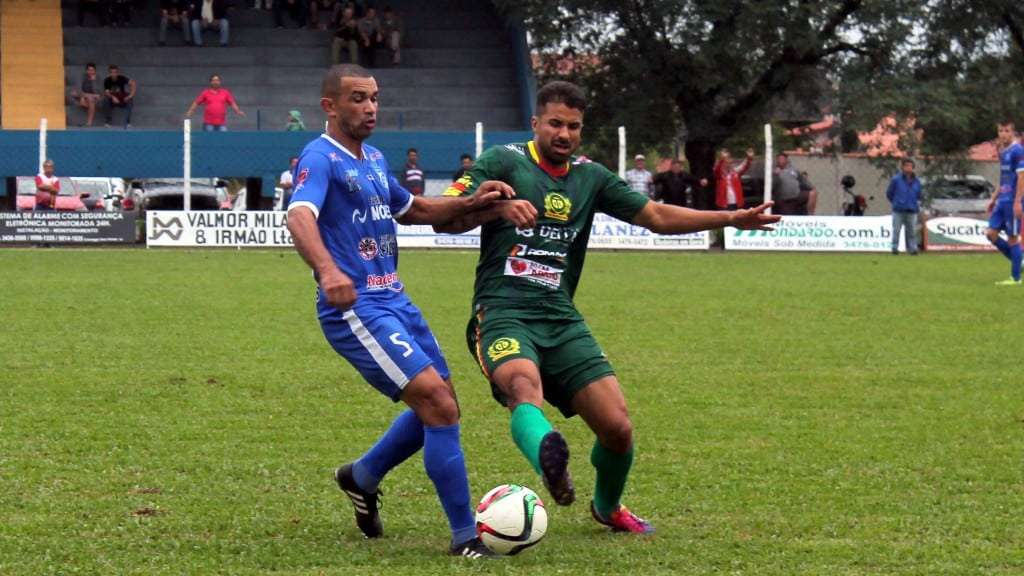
<point>171,412</point>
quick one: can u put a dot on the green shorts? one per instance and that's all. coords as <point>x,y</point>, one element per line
<point>564,351</point>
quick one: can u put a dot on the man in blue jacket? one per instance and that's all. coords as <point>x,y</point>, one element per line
<point>904,193</point>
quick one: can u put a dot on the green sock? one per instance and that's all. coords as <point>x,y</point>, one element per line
<point>612,470</point>
<point>528,428</point>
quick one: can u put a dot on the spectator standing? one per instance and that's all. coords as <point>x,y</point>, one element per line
<point>393,29</point>
<point>295,123</point>
<point>118,92</point>
<point>676,186</point>
<point>346,37</point>
<point>412,174</point>
<point>791,190</point>
<point>47,187</point>
<point>101,8</point>
<point>466,162</point>
<point>370,36</point>
<point>728,187</point>
<point>639,177</point>
<point>174,12</point>
<point>209,14</point>
<point>88,95</point>
<point>215,101</point>
<point>904,193</point>
<point>296,10</point>
<point>285,182</point>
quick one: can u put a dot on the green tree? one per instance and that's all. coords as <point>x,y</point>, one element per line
<point>711,71</point>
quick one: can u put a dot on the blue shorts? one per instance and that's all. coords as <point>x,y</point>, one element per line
<point>1002,219</point>
<point>389,345</point>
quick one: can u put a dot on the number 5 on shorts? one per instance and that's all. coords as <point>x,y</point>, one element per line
<point>398,342</point>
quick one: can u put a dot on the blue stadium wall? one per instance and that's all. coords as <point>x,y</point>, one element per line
<point>158,154</point>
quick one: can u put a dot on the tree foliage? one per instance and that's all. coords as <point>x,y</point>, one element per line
<point>713,72</point>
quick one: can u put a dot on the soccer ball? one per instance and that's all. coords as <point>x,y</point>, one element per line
<point>510,519</point>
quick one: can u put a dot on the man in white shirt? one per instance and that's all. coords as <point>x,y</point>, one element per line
<point>285,183</point>
<point>639,178</point>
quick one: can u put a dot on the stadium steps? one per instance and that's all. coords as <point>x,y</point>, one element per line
<point>31,58</point>
<point>457,68</point>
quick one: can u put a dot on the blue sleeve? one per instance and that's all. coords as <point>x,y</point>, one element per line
<point>889,190</point>
<point>401,199</point>
<point>312,179</point>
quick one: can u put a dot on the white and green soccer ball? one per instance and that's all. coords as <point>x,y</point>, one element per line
<point>511,518</point>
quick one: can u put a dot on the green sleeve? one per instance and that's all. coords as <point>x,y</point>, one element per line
<point>617,199</point>
<point>489,166</point>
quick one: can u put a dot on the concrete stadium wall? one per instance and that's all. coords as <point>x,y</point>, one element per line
<point>158,154</point>
<point>826,172</point>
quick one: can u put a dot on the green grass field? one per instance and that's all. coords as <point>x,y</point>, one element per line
<point>172,412</point>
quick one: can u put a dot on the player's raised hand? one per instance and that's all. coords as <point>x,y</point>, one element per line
<point>506,190</point>
<point>338,289</point>
<point>522,213</point>
<point>754,218</point>
<point>488,192</point>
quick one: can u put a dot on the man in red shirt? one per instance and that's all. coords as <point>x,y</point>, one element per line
<point>216,101</point>
<point>47,188</point>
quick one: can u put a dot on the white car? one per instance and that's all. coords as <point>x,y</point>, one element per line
<point>944,195</point>
<point>78,194</point>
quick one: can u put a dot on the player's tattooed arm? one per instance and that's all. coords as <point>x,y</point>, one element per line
<point>337,287</point>
<point>668,219</point>
<point>445,209</point>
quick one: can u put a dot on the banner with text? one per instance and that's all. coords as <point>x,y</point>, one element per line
<point>268,229</point>
<point>955,234</point>
<point>67,227</point>
<point>818,234</point>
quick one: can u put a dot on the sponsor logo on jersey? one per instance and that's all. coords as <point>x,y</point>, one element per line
<point>556,233</point>
<point>352,179</point>
<point>333,156</point>
<point>359,215</point>
<point>547,276</point>
<point>503,347</point>
<point>524,250</point>
<point>379,209</point>
<point>367,249</point>
<point>516,148</point>
<point>387,245</point>
<point>387,281</point>
<point>557,206</point>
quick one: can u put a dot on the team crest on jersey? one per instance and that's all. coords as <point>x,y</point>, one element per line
<point>367,249</point>
<point>502,347</point>
<point>557,206</point>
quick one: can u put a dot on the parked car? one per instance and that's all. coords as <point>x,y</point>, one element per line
<point>962,194</point>
<point>77,194</point>
<point>169,194</point>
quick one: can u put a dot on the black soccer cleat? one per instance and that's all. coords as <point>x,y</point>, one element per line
<point>366,504</point>
<point>473,549</point>
<point>554,466</point>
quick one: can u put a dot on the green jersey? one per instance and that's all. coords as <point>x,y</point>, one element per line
<point>534,272</point>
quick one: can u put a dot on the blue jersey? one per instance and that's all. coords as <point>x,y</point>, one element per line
<point>1011,163</point>
<point>354,201</point>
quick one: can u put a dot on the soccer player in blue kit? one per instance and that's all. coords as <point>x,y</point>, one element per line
<point>341,217</point>
<point>1005,206</point>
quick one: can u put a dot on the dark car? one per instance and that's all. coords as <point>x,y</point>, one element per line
<point>169,194</point>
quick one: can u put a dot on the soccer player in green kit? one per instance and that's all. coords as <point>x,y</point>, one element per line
<point>525,332</point>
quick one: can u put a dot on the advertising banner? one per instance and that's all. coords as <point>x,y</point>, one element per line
<point>268,229</point>
<point>818,234</point>
<point>48,227</point>
<point>956,234</point>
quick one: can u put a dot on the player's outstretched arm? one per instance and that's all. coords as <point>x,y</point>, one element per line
<point>338,288</point>
<point>445,209</point>
<point>669,219</point>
